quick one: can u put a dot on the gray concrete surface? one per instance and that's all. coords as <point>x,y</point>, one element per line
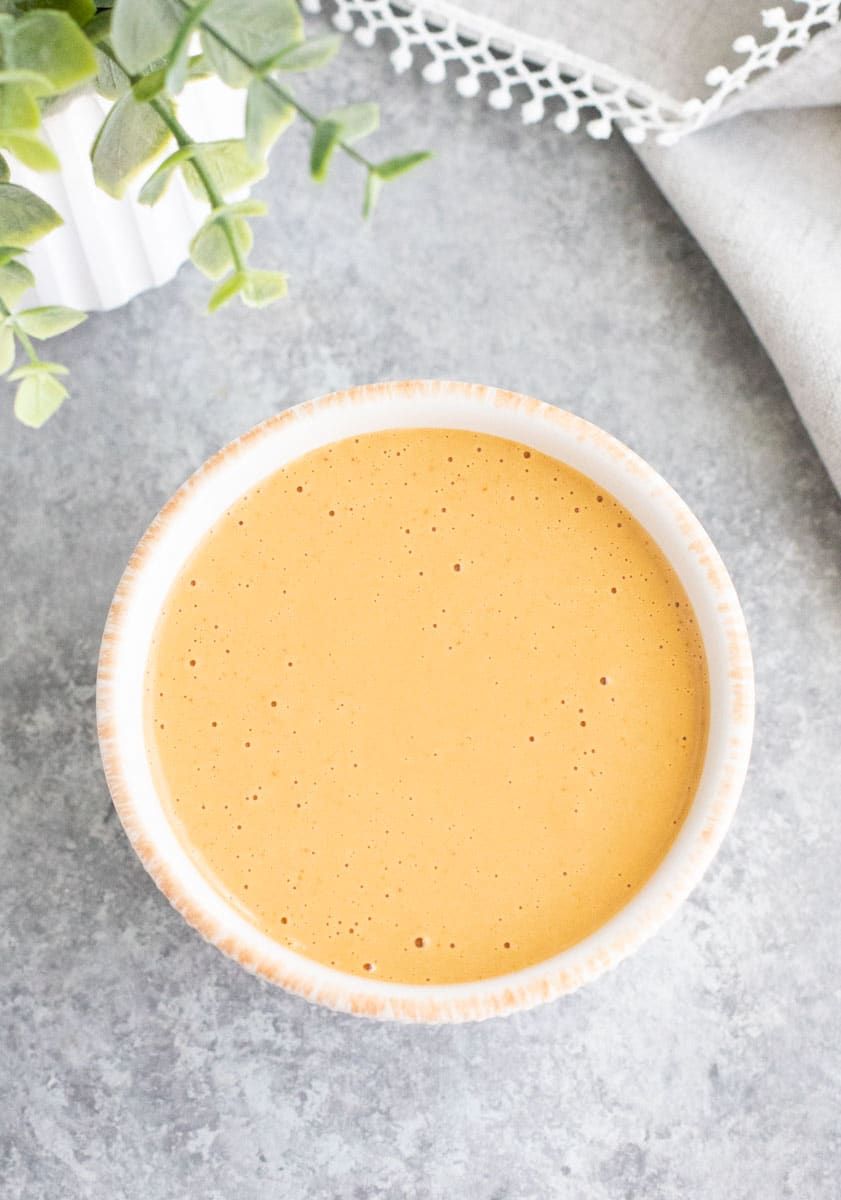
<point>136,1061</point>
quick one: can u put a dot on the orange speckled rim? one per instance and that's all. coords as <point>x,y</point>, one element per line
<point>179,527</point>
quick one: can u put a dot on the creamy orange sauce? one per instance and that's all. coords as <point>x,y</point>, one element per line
<point>427,706</point>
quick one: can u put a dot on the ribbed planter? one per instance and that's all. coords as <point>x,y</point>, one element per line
<point>107,250</point>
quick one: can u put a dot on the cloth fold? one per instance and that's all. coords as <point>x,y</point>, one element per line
<point>761,196</point>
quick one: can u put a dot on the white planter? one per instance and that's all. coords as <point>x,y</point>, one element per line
<point>107,251</point>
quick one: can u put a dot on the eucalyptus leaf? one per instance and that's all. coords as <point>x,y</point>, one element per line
<point>157,183</point>
<point>111,80</point>
<point>393,167</point>
<point>373,186</point>
<point>226,164</point>
<point>37,398</point>
<point>15,279</point>
<point>48,321</point>
<point>18,108</point>
<point>263,287</point>
<point>24,217</point>
<point>309,55</point>
<point>130,137</point>
<point>211,251</point>
<point>31,151</point>
<point>356,120</point>
<point>198,67</point>
<point>7,349</point>
<point>267,115</point>
<point>143,31</point>
<point>239,208</point>
<point>37,368</point>
<point>257,288</point>
<point>249,30</point>
<point>39,84</point>
<point>51,45</point>
<point>148,86</point>
<point>178,65</point>
<point>178,60</point>
<point>98,28</point>
<point>226,290</point>
<point>80,10</point>
<point>324,141</point>
<point>7,253</point>
<point>221,163</point>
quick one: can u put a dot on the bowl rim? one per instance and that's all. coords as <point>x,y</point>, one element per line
<point>691,552</point>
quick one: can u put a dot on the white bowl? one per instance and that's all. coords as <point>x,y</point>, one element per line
<point>175,533</point>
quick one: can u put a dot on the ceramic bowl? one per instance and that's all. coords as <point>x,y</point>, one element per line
<point>206,495</point>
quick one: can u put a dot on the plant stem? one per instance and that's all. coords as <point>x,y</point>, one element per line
<point>182,137</point>
<point>213,195</point>
<point>278,90</point>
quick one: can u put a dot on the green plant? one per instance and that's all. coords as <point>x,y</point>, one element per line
<point>141,54</point>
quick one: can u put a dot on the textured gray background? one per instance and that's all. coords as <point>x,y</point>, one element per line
<point>136,1061</point>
